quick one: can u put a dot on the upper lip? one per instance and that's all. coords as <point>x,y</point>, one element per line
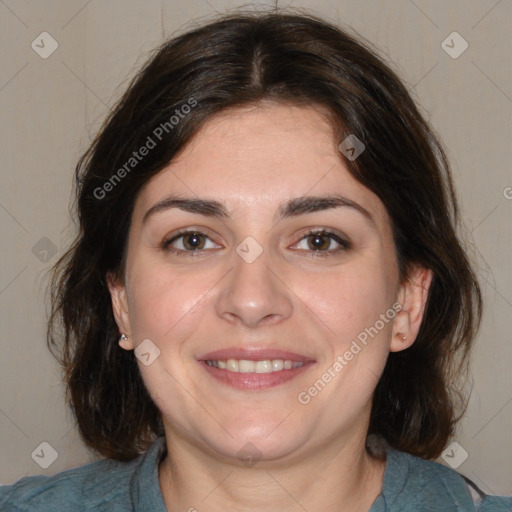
<point>254,354</point>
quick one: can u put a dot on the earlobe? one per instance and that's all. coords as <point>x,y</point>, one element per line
<point>124,342</point>
<point>413,296</point>
<point>120,309</point>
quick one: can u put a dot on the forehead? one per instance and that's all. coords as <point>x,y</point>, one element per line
<point>258,157</point>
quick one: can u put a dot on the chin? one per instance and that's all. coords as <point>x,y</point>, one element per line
<point>259,442</point>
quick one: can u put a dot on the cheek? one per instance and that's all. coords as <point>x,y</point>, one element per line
<point>161,299</point>
<point>166,307</point>
<point>349,298</point>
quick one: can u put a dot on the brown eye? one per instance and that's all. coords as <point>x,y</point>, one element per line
<point>193,241</point>
<point>323,243</point>
<point>319,241</point>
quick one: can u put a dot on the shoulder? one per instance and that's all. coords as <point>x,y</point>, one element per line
<point>99,486</point>
<point>417,484</point>
<point>91,485</point>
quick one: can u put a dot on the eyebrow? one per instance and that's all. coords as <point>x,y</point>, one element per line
<point>292,208</point>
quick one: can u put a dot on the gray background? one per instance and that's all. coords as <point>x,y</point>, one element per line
<point>50,108</point>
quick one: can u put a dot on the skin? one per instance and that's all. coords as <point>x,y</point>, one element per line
<point>252,160</point>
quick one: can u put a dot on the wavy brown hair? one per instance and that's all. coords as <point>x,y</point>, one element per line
<point>239,60</point>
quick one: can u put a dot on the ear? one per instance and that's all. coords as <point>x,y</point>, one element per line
<point>412,295</point>
<point>120,308</point>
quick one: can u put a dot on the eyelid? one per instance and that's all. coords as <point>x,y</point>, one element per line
<point>168,240</point>
<point>342,240</point>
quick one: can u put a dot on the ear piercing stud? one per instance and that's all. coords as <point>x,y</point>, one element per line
<point>123,342</point>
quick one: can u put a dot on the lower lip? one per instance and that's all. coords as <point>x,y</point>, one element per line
<point>254,381</point>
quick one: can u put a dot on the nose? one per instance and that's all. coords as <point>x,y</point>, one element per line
<point>254,294</point>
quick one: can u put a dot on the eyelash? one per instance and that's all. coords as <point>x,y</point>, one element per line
<point>344,244</point>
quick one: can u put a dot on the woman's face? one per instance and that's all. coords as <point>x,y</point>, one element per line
<point>250,283</point>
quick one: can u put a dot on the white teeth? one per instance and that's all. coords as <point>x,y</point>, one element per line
<point>232,365</point>
<point>246,366</point>
<point>263,366</point>
<point>277,364</point>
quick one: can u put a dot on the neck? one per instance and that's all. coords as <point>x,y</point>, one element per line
<point>339,476</point>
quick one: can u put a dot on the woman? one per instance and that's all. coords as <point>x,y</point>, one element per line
<point>267,306</point>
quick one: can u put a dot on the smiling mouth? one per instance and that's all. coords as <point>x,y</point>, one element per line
<point>254,375</point>
<point>250,366</point>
